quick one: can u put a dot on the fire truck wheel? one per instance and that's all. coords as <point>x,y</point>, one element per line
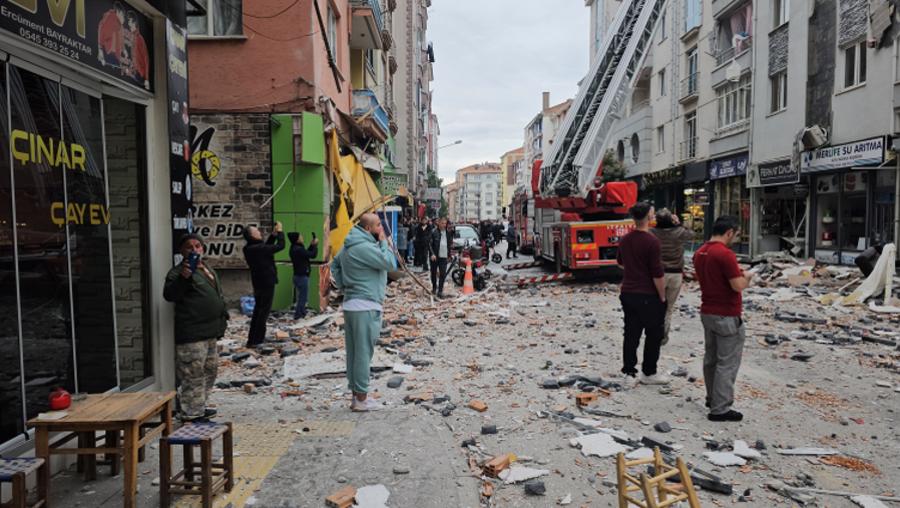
<point>497,258</point>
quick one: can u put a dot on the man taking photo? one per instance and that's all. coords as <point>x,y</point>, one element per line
<point>360,270</point>
<point>200,320</point>
<point>721,283</point>
<point>300,258</point>
<point>260,258</point>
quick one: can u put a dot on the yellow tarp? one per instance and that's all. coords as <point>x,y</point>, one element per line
<point>357,187</point>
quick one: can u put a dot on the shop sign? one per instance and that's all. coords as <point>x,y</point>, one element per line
<point>179,134</point>
<point>726,168</point>
<point>860,153</point>
<point>777,173</point>
<point>700,198</point>
<point>664,177</point>
<point>391,183</point>
<point>433,194</point>
<point>106,35</point>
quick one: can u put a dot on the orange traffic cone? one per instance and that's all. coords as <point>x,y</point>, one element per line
<point>468,285</point>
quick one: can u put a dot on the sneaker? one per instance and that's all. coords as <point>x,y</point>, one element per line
<point>367,405</point>
<point>729,416</point>
<point>628,381</point>
<point>209,412</point>
<point>655,379</point>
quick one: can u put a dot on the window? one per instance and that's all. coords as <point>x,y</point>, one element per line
<point>661,77</point>
<point>781,11</point>
<point>689,84</point>
<point>662,27</point>
<point>778,91</point>
<point>896,120</point>
<point>733,105</point>
<point>370,60</point>
<point>855,65</point>
<point>661,139</point>
<point>635,147</point>
<point>224,18</point>
<point>689,150</point>
<point>332,33</point>
<point>693,10</point>
<point>896,59</point>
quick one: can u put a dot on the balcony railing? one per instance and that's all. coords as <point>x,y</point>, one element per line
<point>689,86</point>
<point>728,54</point>
<point>376,10</point>
<point>688,149</point>
<point>366,108</point>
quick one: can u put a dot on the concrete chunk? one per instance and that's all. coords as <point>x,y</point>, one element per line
<point>743,450</point>
<point>724,459</point>
<point>517,474</point>
<point>601,445</point>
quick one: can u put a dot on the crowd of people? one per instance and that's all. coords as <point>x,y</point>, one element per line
<point>651,257</point>
<point>652,260</point>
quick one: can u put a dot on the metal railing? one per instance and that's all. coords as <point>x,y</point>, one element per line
<point>375,5</point>
<point>689,86</point>
<point>729,53</point>
<point>687,149</point>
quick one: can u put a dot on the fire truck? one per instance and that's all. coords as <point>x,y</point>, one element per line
<point>522,217</point>
<point>579,220</point>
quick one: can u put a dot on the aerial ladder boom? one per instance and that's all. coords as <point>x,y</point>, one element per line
<point>570,166</point>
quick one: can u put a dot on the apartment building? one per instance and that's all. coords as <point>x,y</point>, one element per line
<point>539,135</point>
<point>755,108</point>
<point>451,195</point>
<point>479,192</point>
<point>510,164</point>
<point>414,56</point>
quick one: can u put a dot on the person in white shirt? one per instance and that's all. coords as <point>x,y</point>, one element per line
<point>439,250</point>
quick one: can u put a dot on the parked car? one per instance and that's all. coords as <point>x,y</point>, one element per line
<point>466,236</point>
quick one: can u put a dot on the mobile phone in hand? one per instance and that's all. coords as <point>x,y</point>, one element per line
<point>193,259</point>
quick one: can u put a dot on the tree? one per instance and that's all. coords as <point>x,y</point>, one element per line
<point>613,169</point>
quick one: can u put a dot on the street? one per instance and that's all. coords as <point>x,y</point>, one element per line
<point>800,385</point>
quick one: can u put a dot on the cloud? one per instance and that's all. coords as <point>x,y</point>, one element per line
<point>493,60</point>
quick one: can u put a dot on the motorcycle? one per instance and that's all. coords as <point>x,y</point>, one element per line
<point>457,269</point>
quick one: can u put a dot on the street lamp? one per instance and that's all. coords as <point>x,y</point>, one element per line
<point>457,142</point>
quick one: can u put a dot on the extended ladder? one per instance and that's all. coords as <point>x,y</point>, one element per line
<point>578,148</point>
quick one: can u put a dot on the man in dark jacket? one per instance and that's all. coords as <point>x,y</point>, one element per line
<point>672,237</point>
<point>200,320</point>
<point>511,241</point>
<point>423,235</point>
<point>439,250</point>
<point>300,257</point>
<point>260,258</point>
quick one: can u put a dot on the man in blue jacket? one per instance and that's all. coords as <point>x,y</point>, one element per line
<point>360,271</point>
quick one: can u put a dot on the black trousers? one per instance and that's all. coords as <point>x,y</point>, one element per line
<point>643,313</point>
<point>438,274</point>
<point>421,255</point>
<point>510,248</point>
<point>263,306</point>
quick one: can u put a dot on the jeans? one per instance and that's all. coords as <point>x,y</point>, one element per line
<point>643,312</point>
<point>361,330</point>
<point>261,309</point>
<point>437,279</point>
<point>724,340</point>
<point>301,282</point>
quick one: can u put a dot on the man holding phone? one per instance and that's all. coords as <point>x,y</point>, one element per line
<point>260,258</point>
<point>300,258</point>
<point>200,320</point>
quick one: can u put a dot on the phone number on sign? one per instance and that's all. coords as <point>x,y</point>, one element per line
<point>49,43</point>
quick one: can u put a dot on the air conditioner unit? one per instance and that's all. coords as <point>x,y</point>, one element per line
<point>814,137</point>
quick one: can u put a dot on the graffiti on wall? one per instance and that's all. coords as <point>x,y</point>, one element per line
<point>205,164</point>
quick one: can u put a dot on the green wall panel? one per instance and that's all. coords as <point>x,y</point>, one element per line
<point>284,291</point>
<point>313,140</point>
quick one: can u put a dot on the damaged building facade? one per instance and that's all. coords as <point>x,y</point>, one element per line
<point>780,112</point>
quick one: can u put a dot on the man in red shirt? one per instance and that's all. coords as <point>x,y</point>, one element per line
<point>643,297</point>
<point>721,284</point>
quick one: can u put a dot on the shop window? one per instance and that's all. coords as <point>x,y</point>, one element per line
<point>855,65</point>
<point>12,417</point>
<point>223,18</point>
<point>733,198</point>
<point>778,91</point>
<point>841,211</point>
<point>883,212</point>
<point>781,12</point>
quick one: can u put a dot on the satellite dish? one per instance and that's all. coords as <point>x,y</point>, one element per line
<point>733,72</point>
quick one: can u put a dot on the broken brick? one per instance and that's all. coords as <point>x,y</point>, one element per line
<point>343,498</point>
<point>584,399</point>
<point>497,464</point>
<point>478,405</point>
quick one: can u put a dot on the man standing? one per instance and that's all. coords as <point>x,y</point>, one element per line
<point>300,257</point>
<point>360,271</point>
<point>420,249</point>
<point>439,247</point>
<point>260,258</point>
<point>643,297</point>
<point>511,241</point>
<point>200,320</point>
<point>721,283</point>
<point>671,235</point>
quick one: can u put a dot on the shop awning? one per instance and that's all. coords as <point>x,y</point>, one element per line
<point>695,172</point>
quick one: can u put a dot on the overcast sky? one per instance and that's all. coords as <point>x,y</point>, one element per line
<point>493,60</point>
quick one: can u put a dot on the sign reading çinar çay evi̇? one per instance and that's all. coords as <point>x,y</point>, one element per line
<point>107,35</point>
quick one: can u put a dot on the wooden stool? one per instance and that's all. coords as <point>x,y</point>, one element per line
<point>213,475</point>
<point>663,472</point>
<point>15,471</point>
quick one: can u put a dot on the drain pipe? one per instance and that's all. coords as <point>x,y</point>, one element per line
<point>896,195</point>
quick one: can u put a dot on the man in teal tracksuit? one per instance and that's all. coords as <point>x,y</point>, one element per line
<point>360,271</point>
